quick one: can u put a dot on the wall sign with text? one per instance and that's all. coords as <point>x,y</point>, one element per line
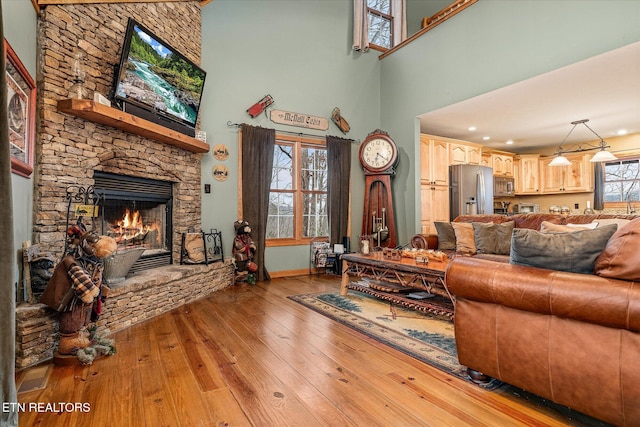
<point>300,120</point>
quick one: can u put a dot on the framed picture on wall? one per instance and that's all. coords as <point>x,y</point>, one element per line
<point>21,113</point>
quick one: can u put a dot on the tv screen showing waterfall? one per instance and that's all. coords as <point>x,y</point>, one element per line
<point>157,82</point>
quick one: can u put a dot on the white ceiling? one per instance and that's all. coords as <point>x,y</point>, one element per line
<point>538,112</point>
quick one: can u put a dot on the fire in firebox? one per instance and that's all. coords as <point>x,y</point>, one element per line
<point>132,231</point>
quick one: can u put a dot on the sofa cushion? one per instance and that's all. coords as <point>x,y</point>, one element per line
<point>549,227</point>
<point>574,252</point>
<point>619,259</point>
<point>493,238</point>
<point>619,221</point>
<point>446,236</point>
<point>465,239</point>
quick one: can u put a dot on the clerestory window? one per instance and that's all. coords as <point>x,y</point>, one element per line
<point>380,21</point>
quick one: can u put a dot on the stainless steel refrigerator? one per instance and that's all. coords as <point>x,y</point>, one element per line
<point>470,190</point>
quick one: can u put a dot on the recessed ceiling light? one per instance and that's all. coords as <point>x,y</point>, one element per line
<point>486,138</point>
<point>509,142</point>
<point>622,132</point>
<point>472,128</point>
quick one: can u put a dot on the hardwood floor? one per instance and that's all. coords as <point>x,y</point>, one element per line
<point>250,356</point>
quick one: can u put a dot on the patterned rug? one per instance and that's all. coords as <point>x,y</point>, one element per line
<point>426,336</point>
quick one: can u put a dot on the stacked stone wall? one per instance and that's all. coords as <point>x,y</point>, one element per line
<point>70,149</point>
<point>141,297</point>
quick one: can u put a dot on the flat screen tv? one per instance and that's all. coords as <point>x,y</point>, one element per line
<point>156,82</point>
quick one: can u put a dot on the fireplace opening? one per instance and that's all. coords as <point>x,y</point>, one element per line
<point>137,213</point>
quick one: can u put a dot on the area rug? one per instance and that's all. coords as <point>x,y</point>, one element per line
<point>426,336</point>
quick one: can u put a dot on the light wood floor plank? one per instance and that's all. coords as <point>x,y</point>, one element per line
<point>248,355</point>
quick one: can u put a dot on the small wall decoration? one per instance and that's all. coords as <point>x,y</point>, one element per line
<point>300,120</point>
<point>340,121</point>
<point>221,152</point>
<point>21,113</point>
<point>260,106</point>
<point>220,172</point>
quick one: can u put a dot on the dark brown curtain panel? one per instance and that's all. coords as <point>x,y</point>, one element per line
<point>339,165</point>
<point>257,161</point>
<point>7,261</point>
<point>598,186</point>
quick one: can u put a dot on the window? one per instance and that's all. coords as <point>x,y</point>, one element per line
<point>380,23</point>
<point>298,197</point>
<point>622,180</point>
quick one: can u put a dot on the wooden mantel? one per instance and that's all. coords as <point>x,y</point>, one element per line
<point>96,112</point>
<point>37,4</point>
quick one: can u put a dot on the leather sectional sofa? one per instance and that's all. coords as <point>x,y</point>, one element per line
<point>573,338</point>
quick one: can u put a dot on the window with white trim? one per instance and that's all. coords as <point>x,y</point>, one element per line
<point>380,22</point>
<point>622,180</point>
<point>298,208</point>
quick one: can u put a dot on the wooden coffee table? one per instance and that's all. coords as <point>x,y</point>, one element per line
<point>403,275</point>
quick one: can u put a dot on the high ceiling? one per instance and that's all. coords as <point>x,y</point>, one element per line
<point>538,112</point>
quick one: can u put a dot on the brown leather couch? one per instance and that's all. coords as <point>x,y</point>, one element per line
<point>572,338</point>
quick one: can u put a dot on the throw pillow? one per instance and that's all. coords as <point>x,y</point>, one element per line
<point>465,239</point>
<point>574,252</point>
<point>589,225</point>
<point>446,236</point>
<point>549,227</point>
<point>619,221</point>
<point>619,260</point>
<point>493,238</point>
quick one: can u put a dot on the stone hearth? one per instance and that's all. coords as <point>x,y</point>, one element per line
<point>141,297</point>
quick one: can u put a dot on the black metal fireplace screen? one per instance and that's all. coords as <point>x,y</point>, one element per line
<point>137,213</point>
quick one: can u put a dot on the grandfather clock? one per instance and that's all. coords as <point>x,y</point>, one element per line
<point>378,156</point>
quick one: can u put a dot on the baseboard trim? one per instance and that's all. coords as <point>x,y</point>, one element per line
<point>290,273</point>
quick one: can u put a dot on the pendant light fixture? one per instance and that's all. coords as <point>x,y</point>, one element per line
<point>601,156</point>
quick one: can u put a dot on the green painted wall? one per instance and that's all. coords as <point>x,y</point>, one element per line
<point>300,53</point>
<point>418,9</point>
<point>492,44</point>
<point>19,26</point>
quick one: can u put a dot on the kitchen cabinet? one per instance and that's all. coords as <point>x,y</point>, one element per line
<point>486,159</point>
<point>516,176</point>
<point>575,178</point>
<point>435,206</point>
<point>502,163</point>
<point>434,161</point>
<point>528,175</point>
<point>464,154</point>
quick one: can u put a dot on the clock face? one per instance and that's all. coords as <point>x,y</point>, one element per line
<point>378,154</point>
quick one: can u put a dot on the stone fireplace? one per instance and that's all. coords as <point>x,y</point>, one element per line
<point>137,172</point>
<point>137,213</point>
<point>73,151</point>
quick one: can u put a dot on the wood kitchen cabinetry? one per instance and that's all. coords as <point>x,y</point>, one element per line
<point>486,159</point>
<point>502,163</point>
<point>465,154</point>
<point>528,176</point>
<point>434,181</point>
<point>435,206</point>
<point>576,178</point>
<point>434,161</point>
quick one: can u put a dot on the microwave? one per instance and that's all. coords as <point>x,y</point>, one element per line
<point>503,186</point>
<point>526,208</point>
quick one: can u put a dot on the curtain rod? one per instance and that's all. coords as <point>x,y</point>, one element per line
<point>354,141</point>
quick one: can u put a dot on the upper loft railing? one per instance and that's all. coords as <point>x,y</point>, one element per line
<point>432,22</point>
